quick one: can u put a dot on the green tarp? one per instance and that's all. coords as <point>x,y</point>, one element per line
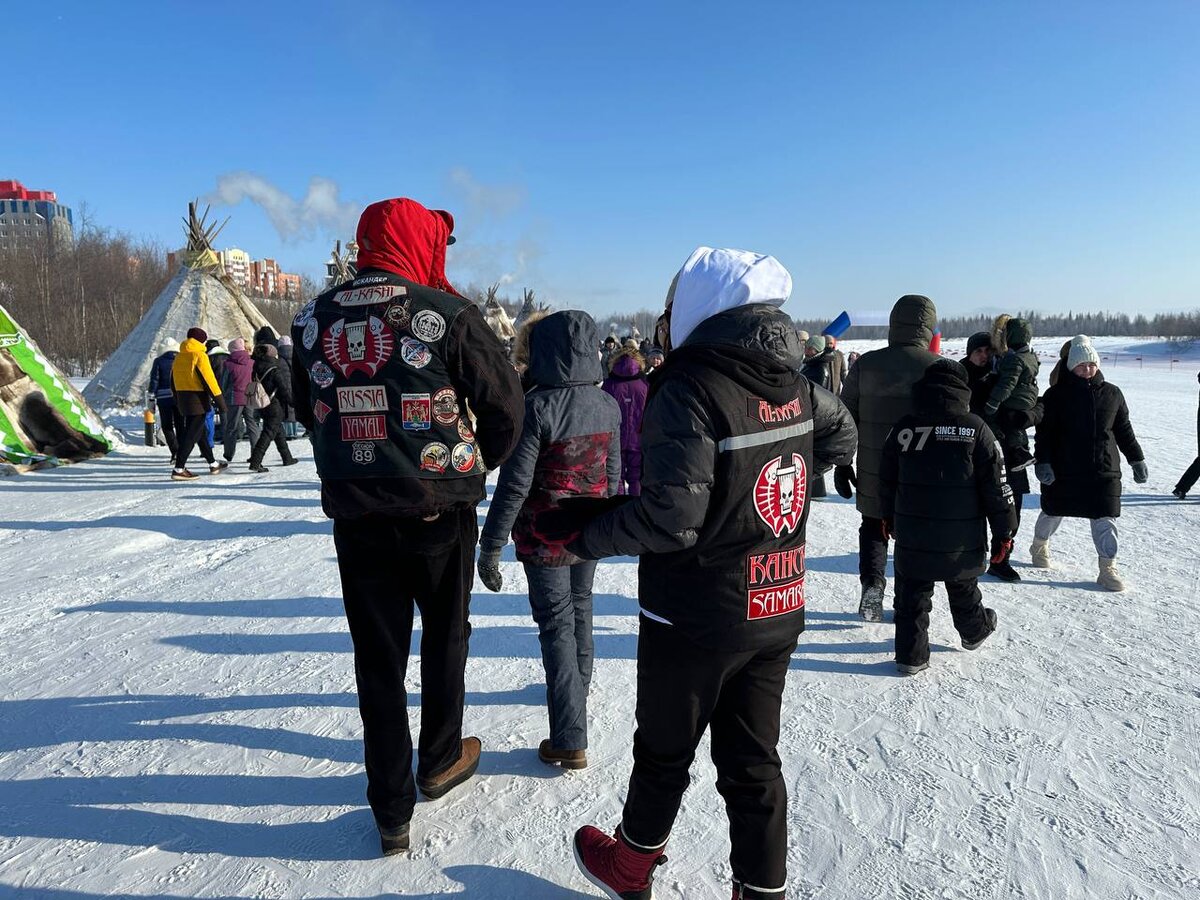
<point>36,373</point>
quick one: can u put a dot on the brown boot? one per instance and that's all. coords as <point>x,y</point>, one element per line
<point>568,759</point>
<point>468,761</point>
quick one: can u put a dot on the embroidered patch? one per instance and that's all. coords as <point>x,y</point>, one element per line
<point>428,325</point>
<point>464,431</point>
<point>358,346</point>
<point>321,409</point>
<point>321,374</point>
<point>362,452</point>
<point>463,457</point>
<point>370,295</point>
<point>414,353</point>
<point>775,583</point>
<point>397,314</point>
<point>435,457</point>
<point>779,494</point>
<point>305,314</point>
<point>368,279</point>
<point>414,412</point>
<point>361,399</point>
<point>445,405</point>
<point>309,338</point>
<point>769,414</point>
<point>364,428</point>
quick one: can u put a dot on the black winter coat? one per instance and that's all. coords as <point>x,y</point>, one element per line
<point>270,375</point>
<point>730,438</point>
<point>878,389</point>
<point>980,379</point>
<point>1085,429</point>
<point>570,445</point>
<point>942,478</point>
<point>819,370</point>
<point>477,369</point>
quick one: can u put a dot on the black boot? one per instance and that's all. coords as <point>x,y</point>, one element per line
<point>1004,570</point>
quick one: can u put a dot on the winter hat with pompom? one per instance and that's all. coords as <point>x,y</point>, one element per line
<point>1082,351</point>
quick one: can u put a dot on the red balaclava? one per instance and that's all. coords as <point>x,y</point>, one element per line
<point>406,238</point>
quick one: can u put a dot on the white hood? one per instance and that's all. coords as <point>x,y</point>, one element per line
<point>712,281</point>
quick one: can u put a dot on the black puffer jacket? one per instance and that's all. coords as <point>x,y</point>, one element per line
<point>1015,388</point>
<point>730,436</point>
<point>819,370</point>
<point>1085,430</point>
<point>942,478</point>
<point>878,389</point>
<point>275,381</point>
<point>570,445</point>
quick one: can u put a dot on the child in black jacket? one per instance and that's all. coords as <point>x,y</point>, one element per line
<point>942,476</point>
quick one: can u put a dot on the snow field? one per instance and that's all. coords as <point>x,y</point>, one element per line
<point>179,718</point>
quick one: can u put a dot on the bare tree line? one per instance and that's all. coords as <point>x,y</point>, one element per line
<point>79,301</point>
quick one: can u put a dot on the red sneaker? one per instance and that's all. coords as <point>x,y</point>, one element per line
<point>617,867</point>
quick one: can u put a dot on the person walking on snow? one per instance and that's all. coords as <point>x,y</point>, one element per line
<point>239,371</point>
<point>161,390</point>
<point>730,435</point>
<point>1078,449</point>
<point>627,384</point>
<point>570,447</point>
<point>1192,474</point>
<point>878,393</point>
<point>386,365</point>
<point>1011,407</point>
<point>269,374</point>
<point>196,392</point>
<point>941,479</point>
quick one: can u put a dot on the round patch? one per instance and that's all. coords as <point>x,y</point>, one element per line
<point>428,325</point>
<point>465,432</point>
<point>435,457</point>
<point>363,452</point>
<point>310,334</point>
<point>445,406</point>
<point>414,353</point>
<point>463,457</point>
<point>321,374</point>
<point>780,492</point>
<point>358,346</point>
<point>397,315</point>
<point>305,314</point>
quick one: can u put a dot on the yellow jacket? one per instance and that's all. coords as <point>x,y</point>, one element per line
<point>192,370</point>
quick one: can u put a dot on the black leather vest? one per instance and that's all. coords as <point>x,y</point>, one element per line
<point>374,350</point>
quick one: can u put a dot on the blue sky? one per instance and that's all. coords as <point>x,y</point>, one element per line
<point>991,155</point>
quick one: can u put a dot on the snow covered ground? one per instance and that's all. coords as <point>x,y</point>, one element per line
<point>178,713</point>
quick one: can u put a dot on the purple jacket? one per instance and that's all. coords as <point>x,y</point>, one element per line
<point>628,386</point>
<point>238,370</point>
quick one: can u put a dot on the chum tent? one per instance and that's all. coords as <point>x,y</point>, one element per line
<point>43,419</point>
<point>200,294</point>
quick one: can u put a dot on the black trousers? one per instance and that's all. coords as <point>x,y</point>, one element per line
<point>194,432</point>
<point>872,552</point>
<point>1190,477</point>
<point>272,432</point>
<point>682,689</point>
<point>387,566</point>
<point>914,602</point>
<point>171,423</point>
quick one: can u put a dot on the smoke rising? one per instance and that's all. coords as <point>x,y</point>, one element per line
<point>320,210</point>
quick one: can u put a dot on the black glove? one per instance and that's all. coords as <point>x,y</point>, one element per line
<point>573,515</point>
<point>489,569</point>
<point>843,478</point>
<point>1001,548</point>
